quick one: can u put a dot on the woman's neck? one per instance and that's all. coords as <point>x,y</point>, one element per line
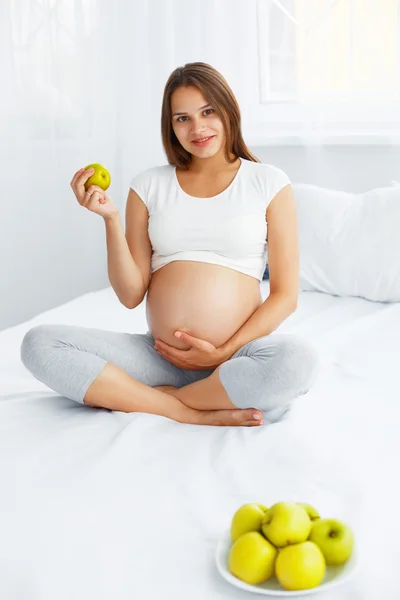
<point>211,166</point>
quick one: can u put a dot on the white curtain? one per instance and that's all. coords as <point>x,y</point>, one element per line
<point>82,80</point>
<point>329,70</point>
<point>57,60</point>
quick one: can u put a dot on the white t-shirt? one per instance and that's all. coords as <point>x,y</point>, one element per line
<point>228,229</point>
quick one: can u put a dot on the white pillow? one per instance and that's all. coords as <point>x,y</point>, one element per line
<point>349,243</point>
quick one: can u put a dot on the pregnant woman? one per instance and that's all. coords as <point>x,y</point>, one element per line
<point>195,241</point>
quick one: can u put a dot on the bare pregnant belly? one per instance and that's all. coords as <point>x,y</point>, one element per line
<point>208,301</point>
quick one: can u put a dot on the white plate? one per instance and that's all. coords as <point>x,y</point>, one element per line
<point>334,576</point>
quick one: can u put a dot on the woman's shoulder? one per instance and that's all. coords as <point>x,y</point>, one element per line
<point>151,175</point>
<point>155,171</point>
<point>268,178</point>
<point>266,168</point>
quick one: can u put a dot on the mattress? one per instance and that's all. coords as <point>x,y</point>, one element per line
<point>104,504</point>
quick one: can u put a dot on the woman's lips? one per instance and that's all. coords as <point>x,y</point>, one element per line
<point>204,143</point>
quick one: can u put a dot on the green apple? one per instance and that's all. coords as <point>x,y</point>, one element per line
<point>252,558</point>
<point>334,538</point>
<point>247,518</point>
<point>100,177</point>
<point>300,566</point>
<point>286,523</point>
<point>310,510</point>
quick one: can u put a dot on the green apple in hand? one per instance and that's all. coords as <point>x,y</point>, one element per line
<point>300,566</point>
<point>100,177</point>
<point>334,538</point>
<point>252,558</point>
<point>247,518</point>
<point>286,523</point>
<point>310,510</point>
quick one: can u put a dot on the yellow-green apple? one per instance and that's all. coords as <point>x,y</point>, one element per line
<point>247,518</point>
<point>335,539</point>
<point>310,510</point>
<point>252,558</point>
<point>286,523</point>
<point>300,566</point>
<point>100,177</point>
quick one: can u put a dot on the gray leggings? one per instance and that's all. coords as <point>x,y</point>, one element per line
<point>267,373</point>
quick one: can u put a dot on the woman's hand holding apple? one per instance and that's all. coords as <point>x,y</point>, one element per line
<point>94,198</point>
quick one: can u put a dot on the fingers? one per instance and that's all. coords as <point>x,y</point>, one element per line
<point>95,188</point>
<point>193,341</point>
<point>159,345</point>
<point>93,193</point>
<point>182,335</point>
<point>80,178</point>
<point>75,177</point>
<point>83,177</point>
<point>92,196</point>
<point>168,351</point>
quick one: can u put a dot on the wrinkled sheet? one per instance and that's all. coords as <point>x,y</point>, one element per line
<point>104,504</point>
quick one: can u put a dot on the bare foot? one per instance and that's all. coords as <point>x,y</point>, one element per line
<point>233,417</point>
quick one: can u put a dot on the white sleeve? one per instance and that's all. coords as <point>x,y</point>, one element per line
<point>139,183</point>
<point>276,179</point>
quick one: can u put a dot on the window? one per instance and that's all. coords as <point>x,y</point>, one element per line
<point>330,67</point>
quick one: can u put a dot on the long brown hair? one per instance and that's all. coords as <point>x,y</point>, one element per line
<point>217,92</point>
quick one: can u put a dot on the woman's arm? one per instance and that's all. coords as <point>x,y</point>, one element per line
<point>129,253</point>
<point>124,274</point>
<point>284,268</point>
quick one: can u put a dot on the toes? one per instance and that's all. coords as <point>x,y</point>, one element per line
<point>247,417</point>
<point>258,413</point>
<point>257,422</point>
<point>252,413</point>
<point>252,423</point>
<point>236,417</point>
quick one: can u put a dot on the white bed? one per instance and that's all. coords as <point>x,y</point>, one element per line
<point>97,504</point>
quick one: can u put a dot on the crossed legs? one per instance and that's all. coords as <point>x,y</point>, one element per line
<point>122,371</point>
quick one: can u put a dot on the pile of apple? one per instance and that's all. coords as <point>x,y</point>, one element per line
<point>288,540</point>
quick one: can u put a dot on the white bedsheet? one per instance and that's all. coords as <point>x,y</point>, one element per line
<point>99,505</point>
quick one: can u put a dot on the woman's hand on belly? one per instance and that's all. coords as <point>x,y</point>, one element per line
<point>202,355</point>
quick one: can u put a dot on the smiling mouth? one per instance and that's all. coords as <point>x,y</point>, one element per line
<point>203,140</point>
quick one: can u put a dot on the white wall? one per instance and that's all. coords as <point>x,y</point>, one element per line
<point>51,249</point>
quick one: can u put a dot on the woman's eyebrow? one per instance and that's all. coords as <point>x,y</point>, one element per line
<point>183,113</point>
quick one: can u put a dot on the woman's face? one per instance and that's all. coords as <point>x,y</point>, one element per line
<point>197,121</point>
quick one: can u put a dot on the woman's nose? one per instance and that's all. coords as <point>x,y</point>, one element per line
<point>197,127</point>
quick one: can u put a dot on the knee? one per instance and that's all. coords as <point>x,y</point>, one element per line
<point>33,342</point>
<point>300,363</point>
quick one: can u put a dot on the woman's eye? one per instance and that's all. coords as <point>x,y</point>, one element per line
<point>206,111</point>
